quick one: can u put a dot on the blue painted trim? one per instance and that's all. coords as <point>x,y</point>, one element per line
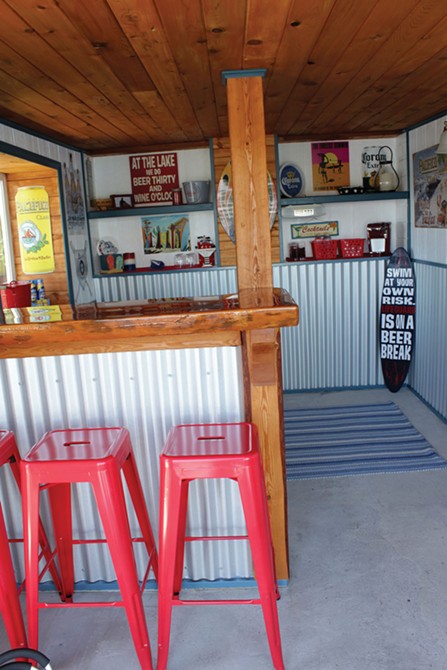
<point>150,211</point>
<point>214,202</point>
<point>239,74</point>
<point>327,389</point>
<point>334,260</point>
<point>427,404</point>
<point>282,250</point>
<point>153,273</point>
<point>151,584</point>
<point>68,267</point>
<point>409,166</point>
<point>361,197</point>
<point>429,120</point>
<point>13,150</point>
<point>430,263</point>
<point>27,155</point>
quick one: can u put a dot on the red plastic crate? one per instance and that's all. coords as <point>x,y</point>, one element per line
<point>352,248</point>
<point>324,250</point>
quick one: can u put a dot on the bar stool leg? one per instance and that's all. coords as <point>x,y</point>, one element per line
<point>136,493</point>
<point>181,533</point>
<point>9,599</point>
<point>254,504</point>
<point>171,508</point>
<point>30,497</point>
<point>60,504</point>
<point>112,509</point>
<point>14,462</point>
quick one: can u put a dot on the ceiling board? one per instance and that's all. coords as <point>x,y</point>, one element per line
<point>122,75</point>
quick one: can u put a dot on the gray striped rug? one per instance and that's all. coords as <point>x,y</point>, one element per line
<point>354,440</point>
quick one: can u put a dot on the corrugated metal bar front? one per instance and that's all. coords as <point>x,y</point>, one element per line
<point>428,373</point>
<point>147,392</point>
<point>185,283</point>
<point>335,343</point>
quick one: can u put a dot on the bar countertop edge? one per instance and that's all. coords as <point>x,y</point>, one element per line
<point>149,324</point>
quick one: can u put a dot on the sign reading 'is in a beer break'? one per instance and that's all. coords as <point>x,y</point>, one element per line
<point>153,177</point>
<point>397,319</point>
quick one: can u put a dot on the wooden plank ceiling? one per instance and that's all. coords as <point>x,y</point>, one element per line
<point>124,75</point>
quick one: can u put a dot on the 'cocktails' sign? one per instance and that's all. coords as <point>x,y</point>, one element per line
<point>154,177</point>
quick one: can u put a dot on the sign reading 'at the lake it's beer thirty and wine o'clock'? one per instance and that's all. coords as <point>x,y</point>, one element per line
<point>397,319</point>
<point>154,177</point>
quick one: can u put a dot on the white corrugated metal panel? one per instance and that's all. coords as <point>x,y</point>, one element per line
<point>147,392</point>
<point>428,244</point>
<point>335,343</point>
<point>166,285</point>
<point>428,373</point>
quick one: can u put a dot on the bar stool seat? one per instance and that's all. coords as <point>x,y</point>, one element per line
<point>97,456</point>
<point>202,451</point>
<point>9,591</point>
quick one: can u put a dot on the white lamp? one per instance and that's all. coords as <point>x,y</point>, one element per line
<point>442,147</point>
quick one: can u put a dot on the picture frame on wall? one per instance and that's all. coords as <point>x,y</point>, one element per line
<point>122,201</point>
<point>429,189</point>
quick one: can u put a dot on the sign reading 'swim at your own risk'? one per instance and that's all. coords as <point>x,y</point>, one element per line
<point>397,319</point>
<point>153,177</point>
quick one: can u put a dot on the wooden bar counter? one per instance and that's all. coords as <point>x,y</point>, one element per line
<point>171,323</point>
<point>253,317</point>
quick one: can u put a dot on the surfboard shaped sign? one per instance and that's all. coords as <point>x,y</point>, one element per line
<point>225,208</point>
<point>397,319</point>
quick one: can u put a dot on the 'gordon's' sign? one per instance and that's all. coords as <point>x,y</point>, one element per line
<point>154,177</point>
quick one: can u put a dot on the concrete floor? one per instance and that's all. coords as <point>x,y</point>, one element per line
<point>368,586</point>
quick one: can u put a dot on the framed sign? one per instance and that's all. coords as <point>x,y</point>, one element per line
<point>430,189</point>
<point>330,165</point>
<point>397,319</point>
<point>164,234</point>
<point>313,229</point>
<point>154,178</point>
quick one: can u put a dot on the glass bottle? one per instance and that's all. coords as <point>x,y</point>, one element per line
<point>387,178</point>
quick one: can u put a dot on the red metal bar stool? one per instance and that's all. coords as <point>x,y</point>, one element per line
<point>97,456</point>
<point>9,591</point>
<point>202,451</point>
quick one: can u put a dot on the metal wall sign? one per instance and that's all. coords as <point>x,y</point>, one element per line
<point>154,177</point>
<point>397,319</point>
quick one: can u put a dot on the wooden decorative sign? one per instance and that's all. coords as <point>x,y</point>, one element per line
<point>397,319</point>
<point>154,177</point>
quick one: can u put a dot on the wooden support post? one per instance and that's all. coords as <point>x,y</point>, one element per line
<point>261,348</point>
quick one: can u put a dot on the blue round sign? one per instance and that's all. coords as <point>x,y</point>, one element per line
<point>291,180</point>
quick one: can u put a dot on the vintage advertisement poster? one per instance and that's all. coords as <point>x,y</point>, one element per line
<point>154,177</point>
<point>164,234</point>
<point>330,165</point>
<point>430,189</point>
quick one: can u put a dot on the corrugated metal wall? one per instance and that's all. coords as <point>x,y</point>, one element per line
<point>429,371</point>
<point>335,343</point>
<point>147,392</point>
<point>429,251</point>
<point>166,285</point>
